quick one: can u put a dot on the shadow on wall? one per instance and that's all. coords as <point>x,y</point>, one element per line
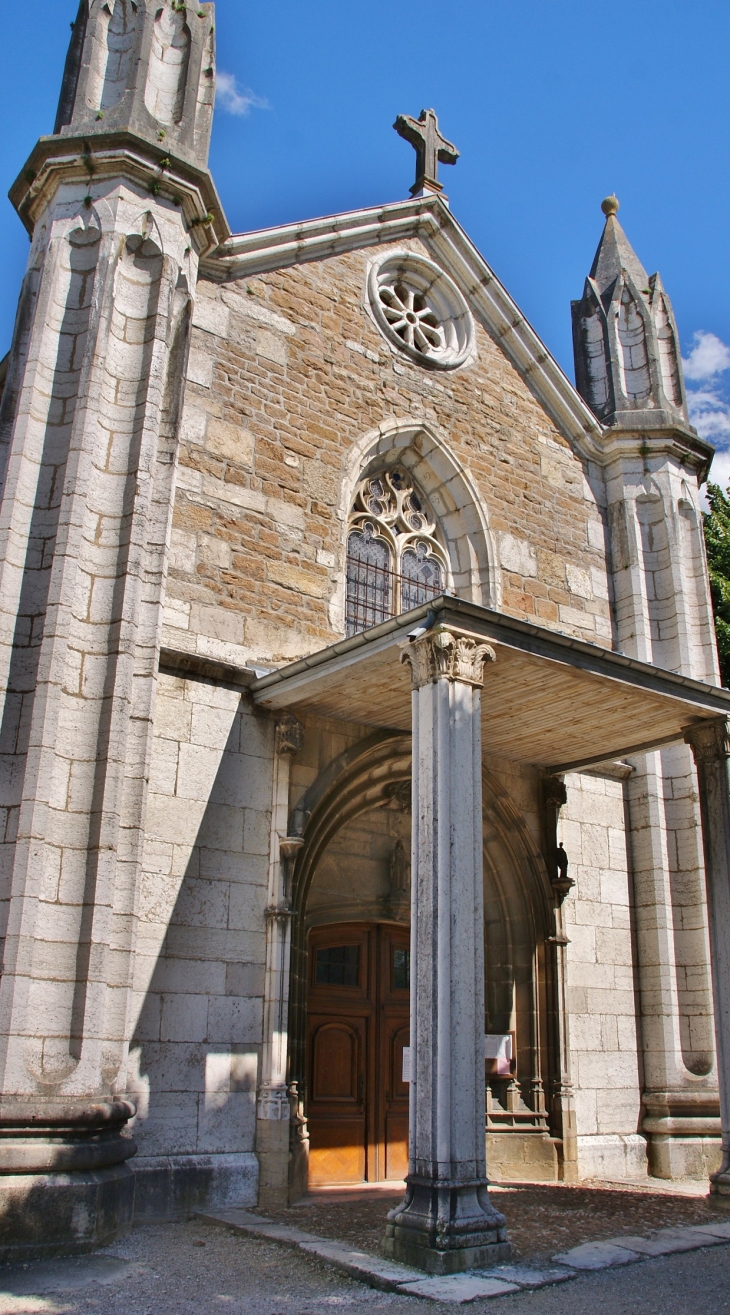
<point>196,1046</point>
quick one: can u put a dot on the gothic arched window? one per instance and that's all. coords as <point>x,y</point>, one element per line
<point>394,559</point>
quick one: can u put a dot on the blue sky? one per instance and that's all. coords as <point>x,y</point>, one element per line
<point>552,103</point>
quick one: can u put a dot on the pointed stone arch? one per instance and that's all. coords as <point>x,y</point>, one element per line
<point>113,46</point>
<point>425,453</point>
<point>634,367</point>
<point>518,909</point>
<point>167,77</point>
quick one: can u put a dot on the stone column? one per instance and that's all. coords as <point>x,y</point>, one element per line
<point>562,1095</point>
<point>446,1222</point>
<point>273,1110</point>
<point>711,748</point>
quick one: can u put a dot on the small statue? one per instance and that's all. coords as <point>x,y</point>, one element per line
<point>562,883</point>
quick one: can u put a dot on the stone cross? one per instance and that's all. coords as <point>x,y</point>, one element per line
<point>430,147</point>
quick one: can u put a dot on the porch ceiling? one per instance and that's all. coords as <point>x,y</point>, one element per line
<point>548,700</point>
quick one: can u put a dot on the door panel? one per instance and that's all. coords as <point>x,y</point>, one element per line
<point>396,1114</point>
<point>358,1024</point>
<point>336,1063</point>
<point>337,1105</point>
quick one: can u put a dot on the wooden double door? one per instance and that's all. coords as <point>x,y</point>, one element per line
<point>357,1027</point>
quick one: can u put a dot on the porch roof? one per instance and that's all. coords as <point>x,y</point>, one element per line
<point>549,700</point>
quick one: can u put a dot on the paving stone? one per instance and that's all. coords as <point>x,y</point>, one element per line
<point>458,1288</point>
<point>690,1238</point>
<point>525,1277</point>
<point>596,1255</point>
<point>656,1246</point>
<point>721,1229</point>
<point>371,1269</point>
<point>256,1227</point>
<point>375,1271</point>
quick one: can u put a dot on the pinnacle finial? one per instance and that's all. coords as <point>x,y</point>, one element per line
<point>610,205</point>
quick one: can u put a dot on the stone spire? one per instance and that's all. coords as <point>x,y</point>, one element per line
<point>147,68</point>
<point>137,98</point>
<point>627,361</point>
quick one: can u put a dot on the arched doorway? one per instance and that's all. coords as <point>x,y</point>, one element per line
<point>350,889</point>
<point>357,1030</point>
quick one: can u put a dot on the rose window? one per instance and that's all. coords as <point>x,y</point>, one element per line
<point>394,559</point>
<point>420,310</point>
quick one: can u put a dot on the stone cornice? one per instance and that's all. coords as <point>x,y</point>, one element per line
<point>60,159</point>
<point>684,445</point>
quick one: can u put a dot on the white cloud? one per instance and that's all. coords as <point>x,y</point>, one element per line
<point>234,99</point>
<point>710,415</point>
<point>709,357</point>
<point>707,402</point>
<point>720,469</point>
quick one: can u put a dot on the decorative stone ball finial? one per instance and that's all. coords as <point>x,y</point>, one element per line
<point>610,205</point>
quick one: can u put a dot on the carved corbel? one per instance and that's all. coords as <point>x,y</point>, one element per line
<point>555,796</point>
<point>289,735</point>
<point>289,847</point>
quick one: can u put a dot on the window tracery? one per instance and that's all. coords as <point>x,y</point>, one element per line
<point>394,559</point>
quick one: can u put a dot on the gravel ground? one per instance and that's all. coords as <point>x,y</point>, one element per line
<point>541,1219</point>
<point>194,1269</point>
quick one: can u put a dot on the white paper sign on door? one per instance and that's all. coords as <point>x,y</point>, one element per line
<point>406,1063</point>
<point>498,1047</point>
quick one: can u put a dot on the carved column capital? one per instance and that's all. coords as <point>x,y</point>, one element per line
<point>443,654</point>
<point>709,740</point>
<point>289,735</point>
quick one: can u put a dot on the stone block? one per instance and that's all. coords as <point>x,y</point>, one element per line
<point>170,1126</point>
<point>256,828</point>
<point>525,1277</point>
<point>211,315</point>
<point>184,1018</point>
<point>176,1186</point>
<point>458,1288</point>
<point>223,827</point>
<point>202,903</point>
<point>230,442</point>
<point>200,368</point>
<point>234,1021</point>
<point>63,1214</point>
<point>227,1122</point>
<point>517,555</point>
<point>246,907</point>
<point>596,1255</point>
<point>173,719</point>
<point>271,346</point>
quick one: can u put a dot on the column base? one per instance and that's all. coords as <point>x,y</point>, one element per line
<point>677,1158</point>
<point>63,1214</point>
<point>446,1228</point>
<point>272,1149</point>
<point>720,1187</point>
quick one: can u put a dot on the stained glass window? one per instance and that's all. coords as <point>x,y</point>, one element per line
<point>395,561</point>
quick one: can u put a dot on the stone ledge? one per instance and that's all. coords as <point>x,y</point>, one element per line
<point>477,1285</point>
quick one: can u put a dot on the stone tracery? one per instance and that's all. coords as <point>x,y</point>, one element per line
<point>394,559</point>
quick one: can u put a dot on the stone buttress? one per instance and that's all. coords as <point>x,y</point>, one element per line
<point>629,370</point>
<point>119,206</point>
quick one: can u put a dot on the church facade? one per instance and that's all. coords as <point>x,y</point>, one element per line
<point>364,758</point>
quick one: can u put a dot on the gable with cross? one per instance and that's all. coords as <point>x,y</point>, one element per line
<point>430,147</point>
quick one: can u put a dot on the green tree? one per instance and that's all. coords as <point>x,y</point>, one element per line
<point>717,539</point>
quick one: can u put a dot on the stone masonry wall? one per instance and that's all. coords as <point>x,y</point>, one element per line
<point>287,372</point>
<point>201,942</point>
<point>602,1001</point>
